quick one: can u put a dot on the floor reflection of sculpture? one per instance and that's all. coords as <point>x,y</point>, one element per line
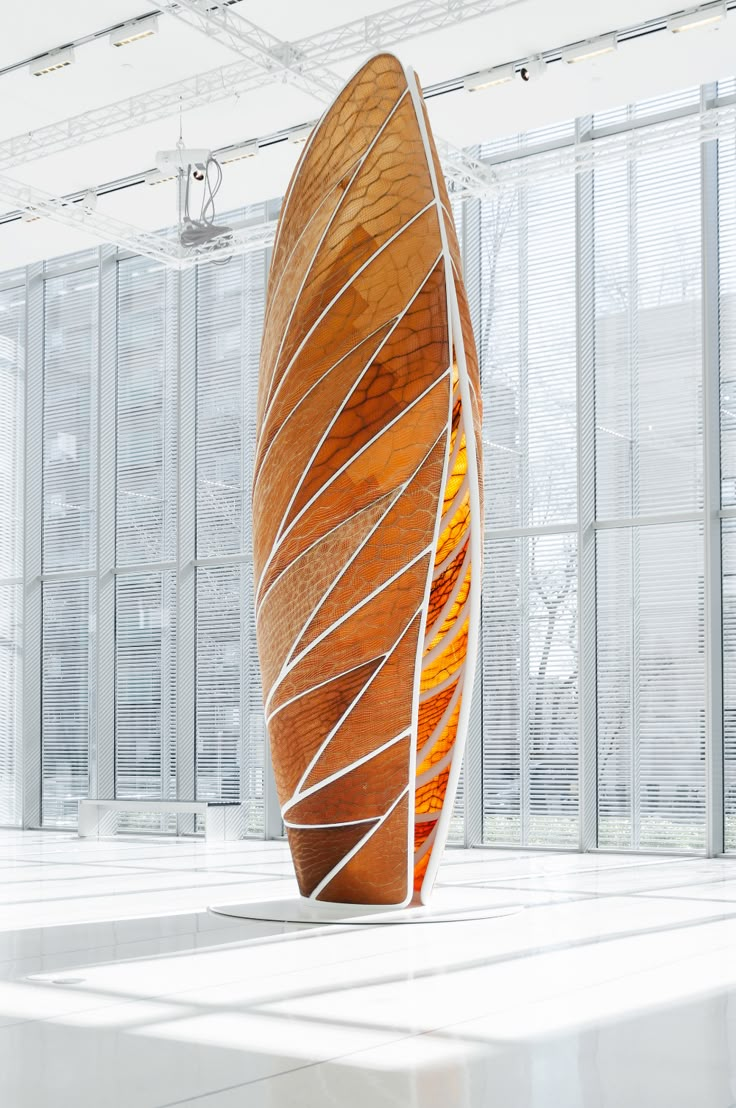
<point>366,500</point>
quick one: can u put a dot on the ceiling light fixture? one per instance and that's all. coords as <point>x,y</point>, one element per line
<point>490,78</point>
<point>587,51</point>
<point>697,18</point>
<point>49,63</point>
<point>157,177</point>
<point>300,134</point>
<point>134,32</point>
<point>238,153</point>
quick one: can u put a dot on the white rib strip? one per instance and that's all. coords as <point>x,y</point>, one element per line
<point>326,826</point>
<point>342,469</point>
<point>436,769</point>
<point>449,558</point>
<point>359,846</point>
<point>329,780</point>
<point>358,166</point>
<point>369,261</point>
<point>286,669</point>
<point>447,606</point>
<point>442,723</point>
<point>310,390</point>
<point>353,169</point>
<point>445,684</point>
<point>359,696</point>
<point>325,435</point>
<point>316,542</point>
<point>400,492</point>
<point>458,434</point>
<point>454,505</point>
<point>449,637</point>
<point>321,685</point>
<point>428,842</point>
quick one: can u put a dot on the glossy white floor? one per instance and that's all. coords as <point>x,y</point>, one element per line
<point>615,987</point>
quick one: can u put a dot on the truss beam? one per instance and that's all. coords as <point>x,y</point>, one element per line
<point>222,22</point>
<point>37,203</point>
<point>351,40</point>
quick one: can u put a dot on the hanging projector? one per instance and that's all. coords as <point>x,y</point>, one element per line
<point>195,163</point>
<point>182,158</point>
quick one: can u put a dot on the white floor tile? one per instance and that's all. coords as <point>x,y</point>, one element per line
<point>614,987</point>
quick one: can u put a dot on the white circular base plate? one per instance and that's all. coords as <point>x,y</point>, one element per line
<point>449,905</point>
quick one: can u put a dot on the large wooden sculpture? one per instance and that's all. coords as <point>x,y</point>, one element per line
<point>366,500</point>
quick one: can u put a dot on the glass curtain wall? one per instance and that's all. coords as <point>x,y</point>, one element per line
<point>604,297</point>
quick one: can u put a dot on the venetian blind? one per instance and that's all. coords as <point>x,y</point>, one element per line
<point>69,501</point>
<point>230,729</point>
<point>649,463</point>
<point>528,356</point>
<point>12,367</point>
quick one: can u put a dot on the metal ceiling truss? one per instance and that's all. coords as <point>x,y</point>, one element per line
<point>222,22</point>
<point>36,204</point>
<point>414,19</point>
<point>158,246</point>
<point>302,63</point>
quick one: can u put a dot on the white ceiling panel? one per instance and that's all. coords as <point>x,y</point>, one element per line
<point>34,26</point>
<point>639,70</point>
<point>101,75</point>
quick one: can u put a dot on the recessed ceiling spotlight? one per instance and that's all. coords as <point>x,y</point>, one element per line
<point>301,134</point>
<point>135,31</point>
<point>490,78</point>
<point>49,63</point>
<point>587,51</point>
<point>533,69</point>
<point>238,153</point>
<point>697,18</point>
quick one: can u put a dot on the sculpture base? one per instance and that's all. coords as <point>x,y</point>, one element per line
<point>449,905</point>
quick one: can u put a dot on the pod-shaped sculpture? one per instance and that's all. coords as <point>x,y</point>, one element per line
<point>367,516</point>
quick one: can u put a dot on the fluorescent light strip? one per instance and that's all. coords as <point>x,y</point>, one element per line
<point>490,78</point>
<point>159,178</point>
<point>587,51</point>
<point>134,32</point>
<point>697,18</point>
<point>50,63</point>
<point>238,153</point>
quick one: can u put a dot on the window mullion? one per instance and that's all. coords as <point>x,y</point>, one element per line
<point>714,731</point>
<point>102,760</point>
<point>586,583</point>
<point>32,546</point>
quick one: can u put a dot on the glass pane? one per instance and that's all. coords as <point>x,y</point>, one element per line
<point>70,402</point>
<point>146,416</point>
<point>648,337</point>
<point>145,689</point>
<point>11,656</point>
<point>12,374</point>
<point>231,302</point>
<point>68,698</point>
<point>651,688</point>
<point>530,721</point>
<point>528,352</point>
